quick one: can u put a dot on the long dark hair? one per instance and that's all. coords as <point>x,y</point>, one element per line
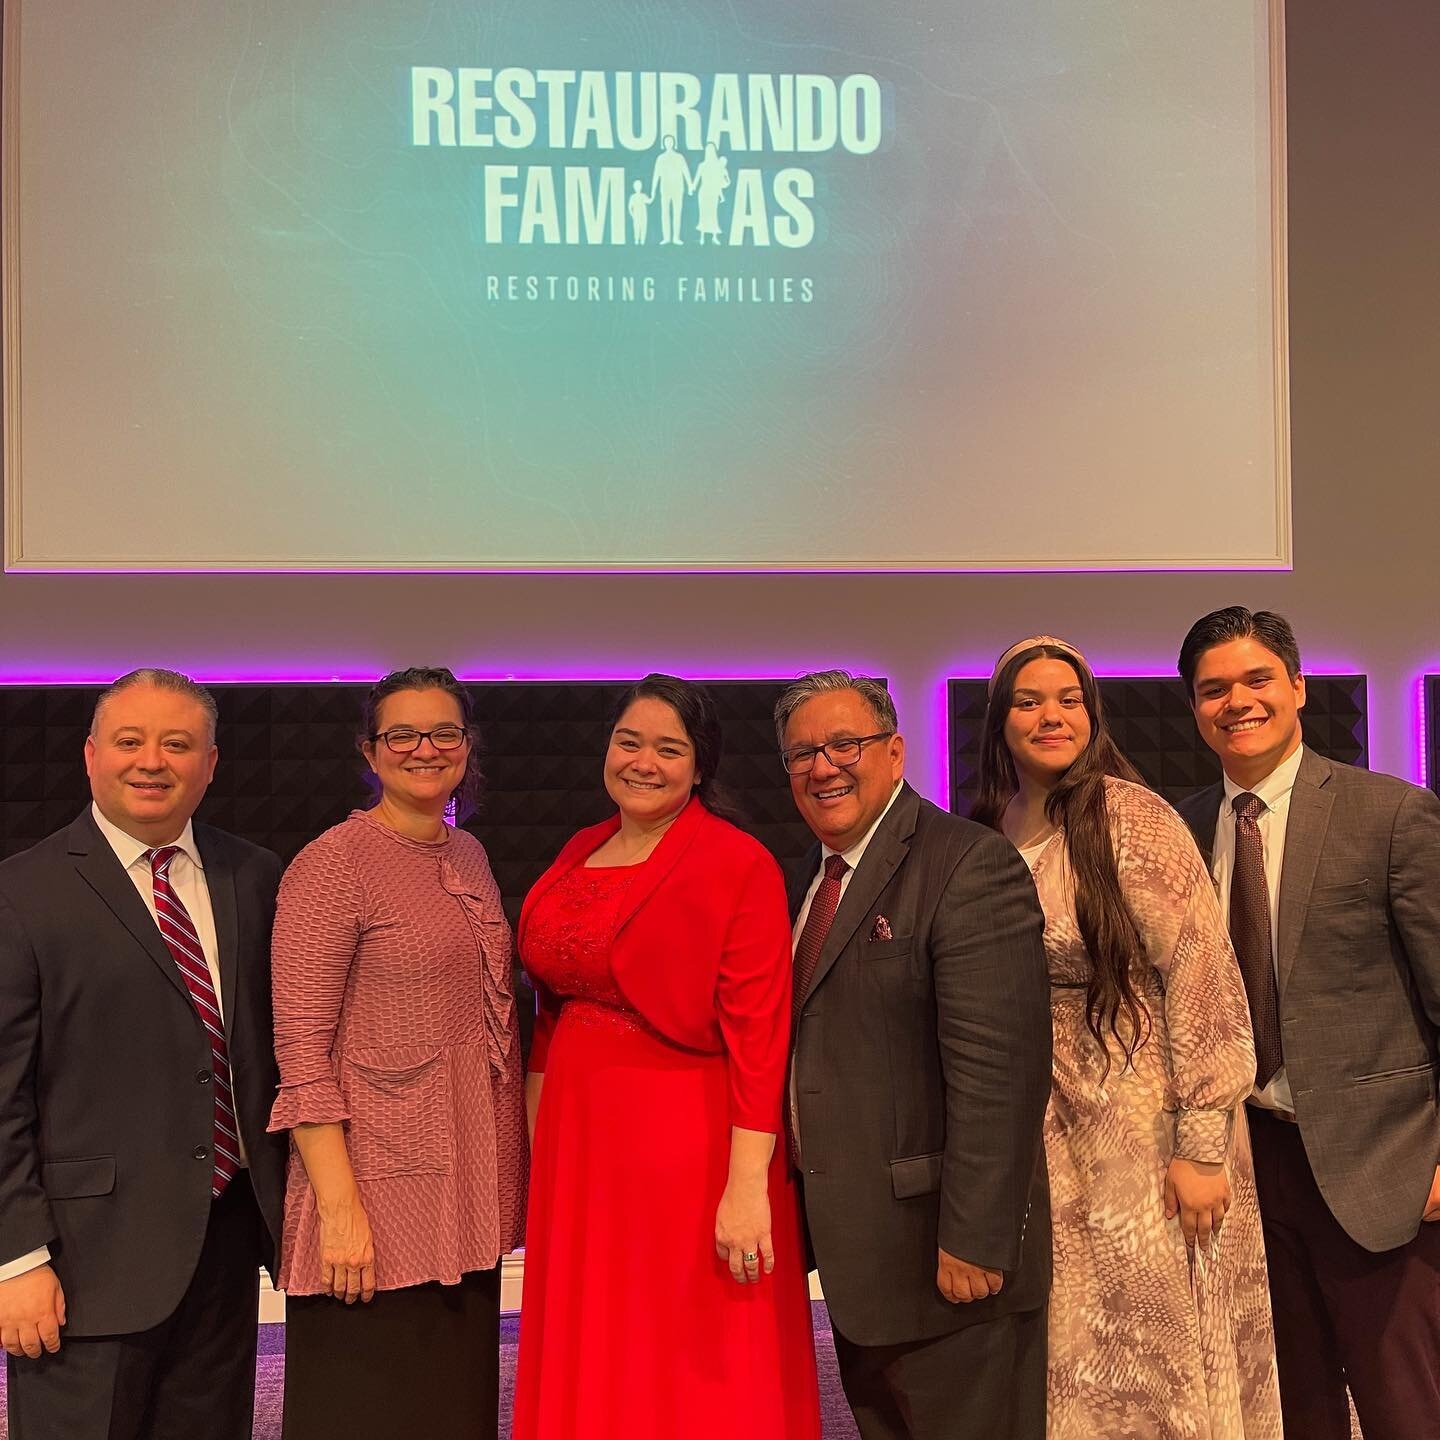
<point>1111,935</point>
<point>468,793</point>
<point>696,708</point>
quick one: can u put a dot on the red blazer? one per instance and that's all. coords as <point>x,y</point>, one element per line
<point>702,951</point>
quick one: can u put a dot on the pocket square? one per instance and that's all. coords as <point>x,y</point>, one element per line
<point>880,930</point>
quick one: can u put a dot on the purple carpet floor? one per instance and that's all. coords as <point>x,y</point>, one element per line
<point>270,1381</point>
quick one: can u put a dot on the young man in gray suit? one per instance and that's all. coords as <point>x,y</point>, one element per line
<point>920,1078</point>
<point>1331,879</point>
<point>139,1192</point>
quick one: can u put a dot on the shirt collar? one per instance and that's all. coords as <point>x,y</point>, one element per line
<point>128,849</point>
<point>1274,790</point>
<point>856,852</point>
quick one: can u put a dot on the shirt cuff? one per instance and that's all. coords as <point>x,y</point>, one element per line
<point>26,1263</point>
<point>1203,1136</point>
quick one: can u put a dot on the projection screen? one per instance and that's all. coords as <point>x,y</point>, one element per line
<point>626,285</point>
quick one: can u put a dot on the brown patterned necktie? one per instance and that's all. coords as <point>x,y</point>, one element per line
<point>1250,934</point>
<point>823,906</point>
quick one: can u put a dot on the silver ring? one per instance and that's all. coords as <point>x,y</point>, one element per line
<point>750,1257</point>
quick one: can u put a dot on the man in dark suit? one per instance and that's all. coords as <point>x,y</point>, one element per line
<point>1331,878</point>
<point>919,1083</point>
<point>139,1192</point>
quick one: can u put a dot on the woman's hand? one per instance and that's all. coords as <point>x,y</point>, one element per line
<point>742,1230</point>
<point>347,1253</point>
<point>1200,1194</point>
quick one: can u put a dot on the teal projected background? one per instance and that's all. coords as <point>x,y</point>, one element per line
<point>413,283</point>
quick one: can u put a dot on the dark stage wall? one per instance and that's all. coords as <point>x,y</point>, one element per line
<point>1364,226</point>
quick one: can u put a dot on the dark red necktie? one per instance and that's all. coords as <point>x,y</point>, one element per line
<point>184,944</point>
<point>823,906</point>
<point>1250,934</point>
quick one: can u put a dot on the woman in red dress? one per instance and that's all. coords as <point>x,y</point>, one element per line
<point>665,1288</point>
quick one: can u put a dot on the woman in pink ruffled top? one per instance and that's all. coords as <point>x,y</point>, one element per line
<point>400,1084</point>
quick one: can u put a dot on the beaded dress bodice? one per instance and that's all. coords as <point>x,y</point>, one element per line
<point>570,935</point>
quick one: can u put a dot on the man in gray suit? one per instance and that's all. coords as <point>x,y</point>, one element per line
<point>920,1078</point>
<point>1331,879</point>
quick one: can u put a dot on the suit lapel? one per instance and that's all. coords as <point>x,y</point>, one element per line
<point>1205,807</point>
<point>673,844</point>
<point>797,882</point>
<point>97,866</point>
<point>1310,804</point>
<point>888,847</point>
<point>220,882</point>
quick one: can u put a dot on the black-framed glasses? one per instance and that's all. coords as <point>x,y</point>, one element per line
<point>402,740</point>
<point>840,753</point>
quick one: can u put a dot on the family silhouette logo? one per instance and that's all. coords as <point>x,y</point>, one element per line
<point>672,181</point>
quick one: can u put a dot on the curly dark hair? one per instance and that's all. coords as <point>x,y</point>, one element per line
<point>468,793</point>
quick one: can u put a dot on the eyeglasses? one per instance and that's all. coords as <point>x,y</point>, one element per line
<point>840,753</point>
<point>402,740</point>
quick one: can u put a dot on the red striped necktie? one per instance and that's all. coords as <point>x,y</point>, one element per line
<point>184,944</point>
<point>823,905</point>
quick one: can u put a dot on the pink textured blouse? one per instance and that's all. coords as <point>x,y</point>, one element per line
<point>394,1014</point>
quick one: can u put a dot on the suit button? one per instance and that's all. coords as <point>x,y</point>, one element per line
<point>202,1077</point>
<point>202,1152</point>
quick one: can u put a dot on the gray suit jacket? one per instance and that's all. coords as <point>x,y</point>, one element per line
<point>1359,976</point>
<point>922,1070</point>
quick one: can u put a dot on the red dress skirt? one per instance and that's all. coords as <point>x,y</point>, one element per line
<point>631,1326</point>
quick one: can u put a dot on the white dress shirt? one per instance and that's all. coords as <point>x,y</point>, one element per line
<point>187,880</point>
<point>852,857</point>
<point>1274,791</point>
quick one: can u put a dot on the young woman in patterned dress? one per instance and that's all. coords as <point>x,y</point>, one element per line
<point>1160,1324</point>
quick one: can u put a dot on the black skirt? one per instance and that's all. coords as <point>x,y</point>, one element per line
<point>422,1360</point>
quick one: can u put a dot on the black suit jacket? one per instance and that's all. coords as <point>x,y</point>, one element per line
<point>103,1108</point>
<point>922,1071</point>
<point>1359,976</point>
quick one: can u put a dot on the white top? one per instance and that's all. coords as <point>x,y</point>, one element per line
<point>187,880</point>
<point>1274,790</point>
<point>1031,853</point>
